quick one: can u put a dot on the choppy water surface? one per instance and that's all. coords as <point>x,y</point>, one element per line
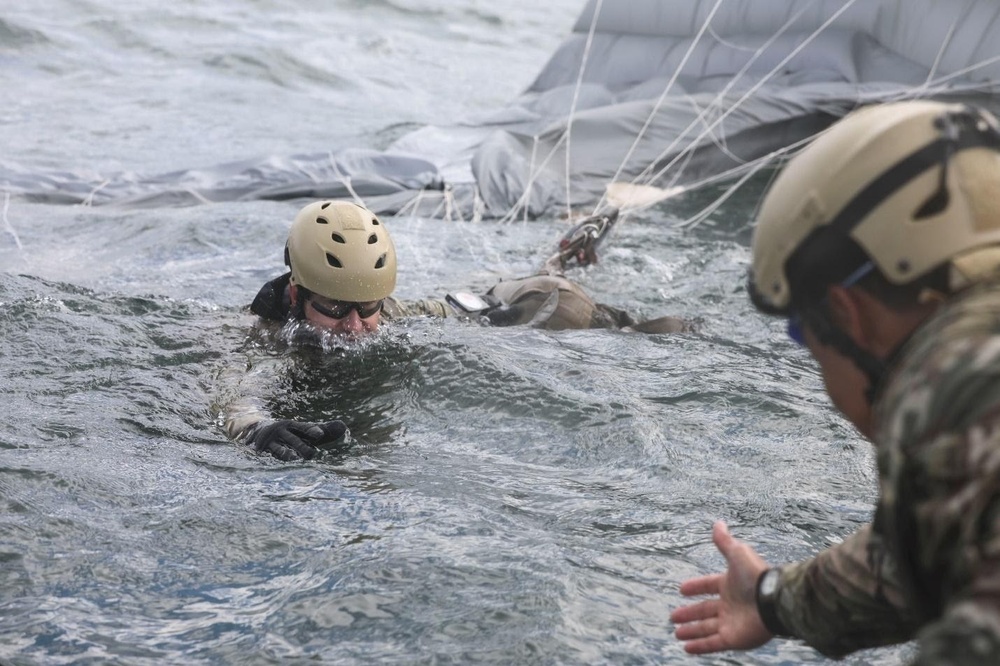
<point>516,496</point>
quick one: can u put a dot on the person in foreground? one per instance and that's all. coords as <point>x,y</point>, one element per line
<point>880,245</point>
<point>342,272</point>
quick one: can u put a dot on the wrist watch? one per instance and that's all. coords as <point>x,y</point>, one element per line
<point>767,601</point>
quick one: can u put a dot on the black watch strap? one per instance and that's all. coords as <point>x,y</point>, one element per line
<point>767,602</point>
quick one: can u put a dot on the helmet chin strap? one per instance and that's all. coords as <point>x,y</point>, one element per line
<point>874,368</point>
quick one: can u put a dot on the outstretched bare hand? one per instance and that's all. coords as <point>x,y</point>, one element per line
<point>728,621</point>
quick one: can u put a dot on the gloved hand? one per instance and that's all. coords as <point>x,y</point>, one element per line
<point>294,440</point>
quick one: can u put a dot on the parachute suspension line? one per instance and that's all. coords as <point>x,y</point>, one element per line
<point>683,165</point>
<point>89,199</point>
<point>752,169</point>
<point>343,178</point>
<point>421,252</point>
<point>576,98</point>
<point>719,141</point>
<point>198,195</point>
<point>942,84</point>
<point>445,205</point>
<point>670,84</point>
<point>521,205</point>
<point>763,160</point>
<point>451,211</point>
<point>522,201</point>
<point>411,205</point>
<point>922,93</point>
<point>716,101</point>
<point>967,70</point>
<point>757,86</point>
<point>477,205</point>
<point>437,210</point>
<point>7,226</point>
<point>754,166</point>
<point>940,54</point>
<point>531,177</point>
<point>707,211</point>
<point>726,42</point>
<point>481,251</point>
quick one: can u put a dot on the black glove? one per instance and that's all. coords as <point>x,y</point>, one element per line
<point>292,440</point>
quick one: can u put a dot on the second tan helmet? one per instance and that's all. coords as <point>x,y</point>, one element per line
<point>915,184</point>
<point>342,251</point>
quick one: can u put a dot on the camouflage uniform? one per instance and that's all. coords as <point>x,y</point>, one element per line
<point>929,566</point>
<point>428,307</point>
<point>551,302</point>
<point>554,303</point>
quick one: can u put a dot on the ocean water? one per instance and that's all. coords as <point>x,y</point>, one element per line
<point>515,496</point>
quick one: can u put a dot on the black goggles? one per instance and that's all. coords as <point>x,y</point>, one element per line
<point>340,309</point>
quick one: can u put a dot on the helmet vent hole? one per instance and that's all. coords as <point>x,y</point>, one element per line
<point>337,238</point>
<point>375,221</point>
<point>381,262</point>
<point>333,261</point>
<point>372,239</point>
<point>322,220</point>
<point>324,206</point>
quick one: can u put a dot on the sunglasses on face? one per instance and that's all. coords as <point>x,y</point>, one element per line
<point>795,330</point>
<point>340,309</point>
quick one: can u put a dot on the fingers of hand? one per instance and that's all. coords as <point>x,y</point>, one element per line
<point>290,440</point>
<point>282,452</point>
<point>697,630</point>
<point>713,643</point>
<point>333,431</point>
<point>295,443</point>
<point>705,610</point>
<point>310,432</point>
<point>723,540</point>
<point>284,444</point>
<point>702,585</point>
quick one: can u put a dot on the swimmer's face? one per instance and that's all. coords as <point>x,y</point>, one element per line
<point>351,320</point>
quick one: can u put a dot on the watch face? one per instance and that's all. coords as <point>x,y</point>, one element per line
<point>769,583</point>
<point>467,302</point>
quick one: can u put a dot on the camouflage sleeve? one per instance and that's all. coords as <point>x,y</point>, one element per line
<point>236,405</point>
<point>967,635</point>
<point>395,308</point>
<point>939,466</point>
<point>942,506</point>
<point>846,598</point>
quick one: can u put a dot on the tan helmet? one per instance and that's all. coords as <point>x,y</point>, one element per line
<point>915,184</point>
<point>342,251</point>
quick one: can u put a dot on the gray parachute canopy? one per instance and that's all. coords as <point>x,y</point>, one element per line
<point>671,92</point>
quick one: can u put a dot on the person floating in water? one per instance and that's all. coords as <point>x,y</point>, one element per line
<point>342,273</point>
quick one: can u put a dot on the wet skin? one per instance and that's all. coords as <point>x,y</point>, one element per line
<point>351,326</point>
